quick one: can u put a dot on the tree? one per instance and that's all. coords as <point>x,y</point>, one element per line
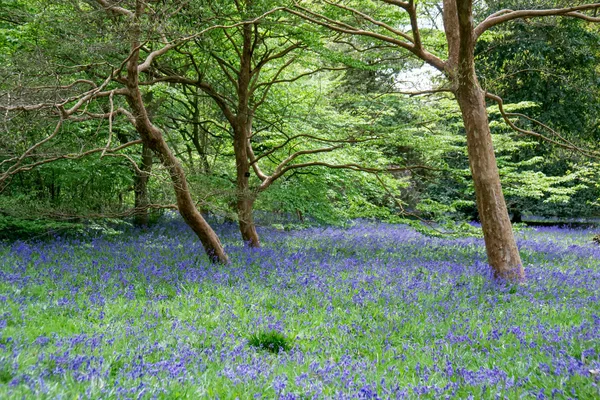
<point>461,35</point>
<point>121,80</point>
<point>239,74</point>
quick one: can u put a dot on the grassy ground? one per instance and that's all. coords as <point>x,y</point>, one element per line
<point>375,311</point>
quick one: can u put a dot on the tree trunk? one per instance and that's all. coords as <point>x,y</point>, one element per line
<point>246,222</point>
<point>244,196</point>
<point>502,251</point>
<point>140,188</point>
<point>200,141</point>
<point>140,184</point>
<point>503,254</point>
<point>242,127</point>
<point>517,217</point>
<point>153,138</point>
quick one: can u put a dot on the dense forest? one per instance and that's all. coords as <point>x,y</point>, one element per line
<point>465,120</point>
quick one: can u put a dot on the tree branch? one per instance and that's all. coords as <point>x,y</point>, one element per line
<point>275,56</point>
<point>509,15</point>
<point>13,171</point>
<point>29,151</point>
<point>254,163</point>
<point>373,21</point>
<point>116,9</point>
<point>178,42</point>
<point>350,166</point>
<point>341,27</point>
<point>562,142</point>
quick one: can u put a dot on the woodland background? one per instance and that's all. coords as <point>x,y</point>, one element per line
<point>332,102</point>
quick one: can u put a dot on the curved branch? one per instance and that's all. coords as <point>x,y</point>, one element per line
<point>178,42</point>
<point>304,135</point>
<point>20,159</point>
<point>116,9</point>
<point>401,4</point>
<point>275,79</point>
<point>375,22</point>
<point>341,27</point>
<point>28,167</point>
<point>350,166</point>
<point>265,60</point>
<point>509,15</point>
<point>253,162</point>
<point>584,17</point>
<point>562,142</point>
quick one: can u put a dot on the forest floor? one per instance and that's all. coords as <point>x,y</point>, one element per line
<point>373,311</point>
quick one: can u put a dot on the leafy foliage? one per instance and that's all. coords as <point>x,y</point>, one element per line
<point>12,228</point>
<point>547,69</point>
<point>271,341</point>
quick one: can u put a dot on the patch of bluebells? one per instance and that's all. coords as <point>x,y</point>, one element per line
<point>375,311</point>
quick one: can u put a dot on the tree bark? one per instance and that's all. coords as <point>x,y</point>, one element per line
<point>502,251</point>
<point>140,188</point>
<point>503,254</point>
<point>140,184</point>
<point>244,196</point>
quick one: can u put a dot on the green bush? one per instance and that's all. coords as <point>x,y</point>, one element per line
<point>12,228</point>
<point>271,341</point>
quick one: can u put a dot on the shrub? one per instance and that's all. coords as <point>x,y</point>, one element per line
<point>271,341</point>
